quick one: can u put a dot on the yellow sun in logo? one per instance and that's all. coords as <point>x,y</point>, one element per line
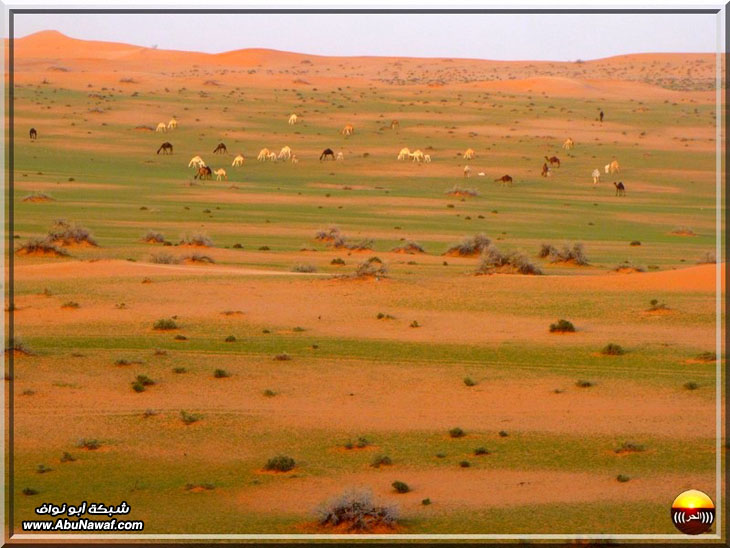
<point>693,499</point>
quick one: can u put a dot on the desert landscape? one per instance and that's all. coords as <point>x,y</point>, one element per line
<point>230,352</point>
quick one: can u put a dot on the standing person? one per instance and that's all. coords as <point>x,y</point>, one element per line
<point>601,116</point>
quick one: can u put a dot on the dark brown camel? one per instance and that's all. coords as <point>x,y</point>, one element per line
<point>620,188</point>
<point>33,134</point>
<point>327,152</point>
<point>204,172</point>
<point>165,147</point>
<point>221,148</point>
<point>554,160</point>
<point>545,170</point>
<point>505,180</point>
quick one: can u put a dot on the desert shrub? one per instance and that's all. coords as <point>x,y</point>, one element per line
<point>164,258</point>
<point>28,491</point>
<point>355,511</point>
<point>269,393</point>
<point>457,190</point>
<point>153,237</point>
<point>630,447</point>
<point>622,478</point>
<point>465,464</point>
<point>691,385</point>
<point>65,233</point>
<point>612,349</point>
<point>635,243</point>
<point>706,357</point>
<point>470,246</point>
<point>562,326</point>
<point>67,457</point>
<point>70,304</point>
<point>584,384</point>
<point>283,357</point>
<point>138,386</point>
<point>409,247</point>
<point>469,381</point>
<point>198,258</point>
<point>42,469</point>
<point>567,254</point>
<point>654,305</point>
<point>414,323</point>
<point>17,345</point>
<point>492,261</point>
<point>426,502</point>
<point>481,451</point>
<point>306,268</point>
<point>400,487</point>
<point>503,434</point>
<point>329,235</point>
<point>381,460</point>
<point>144,380</point>
<point>189,418</point>
<point>626,265</point>
<point>707,258</point>
<point>337,261</point>
<point>41,246</point>
<point>230,339</point>
<point>196,239</point>
<point>165,324</point>
<point>457,433</point>
<point>38,197</point>
<point>181,338</point>
<point>371,268</point>
<point>383,316</point>
<point>221,374</point>
<point>91,444</point>
<point>363,245</point>
<point>683,231</point>
<point>179,370</point>
<point>280,463</point>
<point>149,413</point>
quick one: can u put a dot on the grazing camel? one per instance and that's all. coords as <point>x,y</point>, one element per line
<point>263,155</point>
<point>620,188</point>
<point>467,171</point>
<point>568,144</point>
<point>294,159</point>
<point>545,170</point>
<point>196,161</point>
<point>293,119</point>
<point>221,148</point>
<point>238,161</point>
<point>404,153</point>
<point>469,154</point>
<point>505,180</point>
<point>33,134</point>
<point>395,124</point>
<point>165,147</point>
<point>272,156</point>
<point>340,156</point>
<point>554,160</point>
<point>204,172</point>
<point>285,153</point>
<point>416,156</point>
<point>327,153</point>
<point>220,172</point>
<point>161,127</point>
<point>172,124</point>
<point>348,130</point>
<point>596,176</point>
<point>613,167</point>
<point>427,158</point>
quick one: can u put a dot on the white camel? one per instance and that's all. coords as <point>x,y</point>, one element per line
<point>285,153</point>
<point>272,156</point>
<point>238,161</point>
<point>172,124</point>
<point>607,167</point>
<point>596,176</point>
<point>263,155</point>
<point>467,171</point>
<point>293,119</point>
<point>568,144</point>
<point>340,156</point>
<point>196,162</point>
<point>348,130</point>
<point>161,127</point>
<point>220,172</point>
<point>404,153</point>
<point>416,156</point>
<point>427,158</point>
<point>614,167</point>
<point>469,154</point>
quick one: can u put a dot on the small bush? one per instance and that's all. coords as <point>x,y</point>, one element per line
<point>584,384</point>
<point>612,349</point>
<point>41,247</point>
<point>138,386</point>
<point>70,304</point>
<point>65,233</point>
<point>567,254</point>
<point>457,190</point>
<point>221,374</point>
<point>381,460</point>
<point>415,323</point>
<point>635,243</point>
<point>469,382</point>
<point>196,239</point>
<point>42,469</point>
<point>283,357</point>
<point>465,464</point>
<point>409,247</point>
<point>707,258</point>
<point>706,357</point>
<point>198,258</point>
<point>28,491</point>
<point>153,237</point>
<point>355,511</point>
<point>304,268</point>
<point>457,433</point>
<point>91,445</point>
<point>654,305</point>
<point>280,463</point>
<point>383,316</point>
<point>691,385</point>
<point>470,246</point>
<point>481,451</point>
<point>67,457</point>
<point>145,380</point>
<point>503,434</point>
<point>331,234</point>
<point>493,261</point>
<point>630,447</point>
<point>622,478</point>
<point>189,418</point>
<point>230,339</point>
<point>562,326</point>
<point>337,261</point>
<point>269,393</point>
<point>371,268</point>
<point>179,370</point>
<point>165,325</point>
<point>17,345</point>
<point>426,502</point>
<point>627,266</point>
<point>400,487</point>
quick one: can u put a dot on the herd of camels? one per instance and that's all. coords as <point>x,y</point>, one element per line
<point>418,156</point>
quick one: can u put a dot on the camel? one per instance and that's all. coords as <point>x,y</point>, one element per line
<point>467,171</point>
<point>328,152</point>
<point>505,180</point>
<point>220,172</point>
<point>263,155</point>
<point>165,147</point>
<point>554,160</point>
<point>340,156</point>
<point>285,154</point>
<point>427,158</point>
<point>196,161</point>
<point>221,148</point>
<point>404,153</point>
<point>601,116</point>
<point>348,130</point>
<point>272,156</point>
<point>545,170</point>
<point>238,161</point>
<point>294,159</point>
<point>172,124</point>
<point>469,154</point>
<point>161,127</point>
<point>204,172</point>
<point>293,119</point>
<point>596,176</point>
<point>620,188</point>
<point>568,144</point>
<point>613,167</point>
<point>395,124</point>
<point>416,156</point>
<point>33,134</point>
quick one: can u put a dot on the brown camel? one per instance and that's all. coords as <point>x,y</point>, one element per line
<point>554,161</point>
<point>165,147</point>
<point>204,172</point>
<point>505,180</point>
<point>221,148</point>
<point>545,170</point>
<point>620,188</point>
<point>33,134</point>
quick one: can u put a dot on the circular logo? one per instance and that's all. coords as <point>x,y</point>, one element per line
<point>693,512</point>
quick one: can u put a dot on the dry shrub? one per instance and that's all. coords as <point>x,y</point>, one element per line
<point>494,261</point>
<point>164,258</point>
<point>64,233</point>
<point>153,237</point>
<point>456,190</point>
<point>354,510</point>
<point>410,248</point>
<point>470,246</point>
<point>198,258</point>
<point>567,254</point>
<point>38,246</point>
<point>196,239</point>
